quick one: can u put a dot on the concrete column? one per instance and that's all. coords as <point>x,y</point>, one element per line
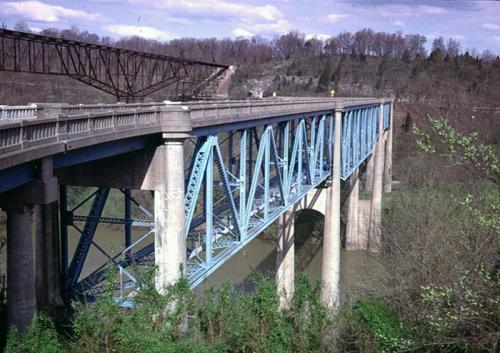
<point>21,297</point>
<point>330,270</point>
<point>47,260</point>
<point>48,272</point>
<point>285,258</point>
<point>170,242</point>
<point>376,202</point>
<point>369,174</point>
<point>388,155</point>
<point>352,241</point>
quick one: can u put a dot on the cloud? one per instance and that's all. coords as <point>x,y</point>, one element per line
<point>335,17</point>
<point>42,12</point>
<point>432,10</point>
<point>280,26</point>
<point>410,10</point>
<point>240,32</point>
<point>141,31</point>
<point>398,23</point>
<point>320,36</point>
<point>496,39</point>
<point>491,26</point>
<point>217,8</point>
<point>458,37</point>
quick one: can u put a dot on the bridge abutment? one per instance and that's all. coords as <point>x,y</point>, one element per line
<point>330,269</point>
<point>285,257</point>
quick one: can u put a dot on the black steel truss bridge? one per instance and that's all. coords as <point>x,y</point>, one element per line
<point>126,74</point>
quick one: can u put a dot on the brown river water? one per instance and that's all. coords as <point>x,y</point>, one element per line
<point>358,269</point>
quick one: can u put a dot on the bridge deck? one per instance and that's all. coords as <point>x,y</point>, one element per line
<point>61,128</point>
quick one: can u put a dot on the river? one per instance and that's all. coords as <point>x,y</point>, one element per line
<point>358,268</point>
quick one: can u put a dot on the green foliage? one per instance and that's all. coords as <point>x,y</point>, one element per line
<point>376,317</point>
<point>224,321</point>
<point>41,337</point>
<point>462,150</point>
<point>3,309</point>
<point>465,300</point>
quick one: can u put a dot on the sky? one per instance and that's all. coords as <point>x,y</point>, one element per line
<point>476,24</point>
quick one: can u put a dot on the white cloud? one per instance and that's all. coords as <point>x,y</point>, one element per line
<point>320,36</point>
<point>240,32</point>
<point>141,31</point>
<point>398,23</point>
<point>458,36</point>
<point>432,10</point>
<point>335,17</point>
<point>496,39</point>
<point>217,8</point>
<point>280,26</point>
<point>491,26</point>
<point>39,11</point>
<point>410,10</point>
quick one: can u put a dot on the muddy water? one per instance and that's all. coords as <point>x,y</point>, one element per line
<point>358,269</point>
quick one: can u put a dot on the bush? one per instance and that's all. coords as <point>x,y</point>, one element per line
<point>378,319</point>
<point>41,337</point>
<point>224,321</point>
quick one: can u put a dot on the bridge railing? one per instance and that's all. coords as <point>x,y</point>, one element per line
<point>24,134</point>
<point>99,108</point>
<point>9,113</point>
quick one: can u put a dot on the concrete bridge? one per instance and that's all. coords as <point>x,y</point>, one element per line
<point>221,173</point>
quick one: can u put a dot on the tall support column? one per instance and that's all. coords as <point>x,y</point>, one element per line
<point>48,281</point>
<point>352,241</point>
<point>21,295</point>
<point>170,242</point>
<point>128,221</point>
<point>285,258</point>
<point>388,154</point>
<point>47,261</point>
<point>376,201</point>
<point>330,270</point>
<point>369,174</point>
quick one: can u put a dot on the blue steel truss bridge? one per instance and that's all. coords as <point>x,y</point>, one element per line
<point>218,174</point>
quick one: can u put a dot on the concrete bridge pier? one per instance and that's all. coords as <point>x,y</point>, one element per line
<point>170,242</point>
<point>388,154</point>
<point>369,173</point>
<point>353,239</point>
<point>330,269</point>
<point>285,257</point>
<point>47,249</point>
<point>21,295</point>
<point>376,200</point>
<point>21,283</point>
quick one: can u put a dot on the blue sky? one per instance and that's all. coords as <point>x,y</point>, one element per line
<point>474,23</point>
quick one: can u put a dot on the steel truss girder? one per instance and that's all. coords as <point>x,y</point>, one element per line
<point>126,74</point>
<point>235,191</point>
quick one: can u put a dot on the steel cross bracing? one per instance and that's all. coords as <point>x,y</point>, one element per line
<point>125,74</point>
<point>236,190</point>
